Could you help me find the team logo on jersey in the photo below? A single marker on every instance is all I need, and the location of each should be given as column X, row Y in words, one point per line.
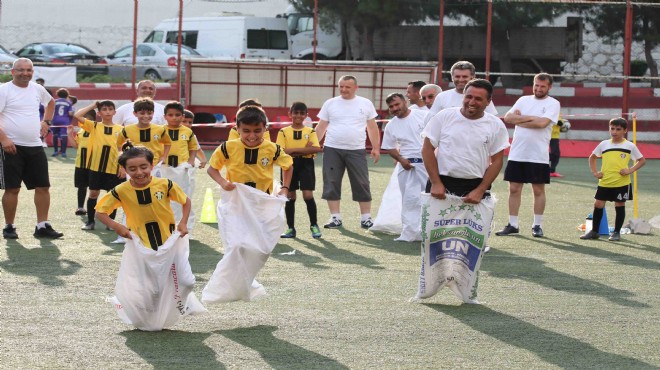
column 265, row 161
column 156, row 137
column 306, row 136
column 159, row 195
column 184, row 137
column 623, row 155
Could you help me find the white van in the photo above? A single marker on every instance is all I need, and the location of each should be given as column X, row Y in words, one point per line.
column 237, row 37
column 301, row 31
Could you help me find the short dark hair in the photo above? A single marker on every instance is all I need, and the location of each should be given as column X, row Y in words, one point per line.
column 417, row 84
column 188, row 114
column 463, row 64
column 143, row 104
column 543, row 77
column 73, row 99
column 391, row 97
column 251, row 115
column 62, row 93
column 298, row 106
column 348, row 78
column 619, row 121
column 90, row 115
column 482, row 84
column 40, row 79
column 247, row 102
column 130, row 151
column 174, row 105
column 105, row 103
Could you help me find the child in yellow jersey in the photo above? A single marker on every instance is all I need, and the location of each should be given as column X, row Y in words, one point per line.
column 300, row 142
column 79, row 141
column 150, row 135
column 614, row 176
column 250, row 159
column 104, row 172
column 145, row 200
column 188, row 118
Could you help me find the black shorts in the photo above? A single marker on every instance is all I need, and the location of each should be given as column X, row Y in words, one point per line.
column 103, row 181
column 527, row 172
column 620, row 194
column 459, row 187
column 304, row 177
column 81, row 177
column 29, row 165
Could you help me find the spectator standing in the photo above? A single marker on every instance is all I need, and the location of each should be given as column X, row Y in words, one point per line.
column 429, row 93
column 414, row 96
column 145, row 89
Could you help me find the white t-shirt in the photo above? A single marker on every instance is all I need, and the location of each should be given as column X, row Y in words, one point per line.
column 347, row 121
column 19, row 112
column 464, row 145
column 406, row 134
column 451, row 99
column 124, row 115
column 415, row 107
column 531, row 144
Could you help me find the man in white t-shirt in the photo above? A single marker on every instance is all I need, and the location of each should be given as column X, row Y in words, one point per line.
column 23, row 159
column 345, row 119
column 429, row 93
column 402, row 140
column 461, row 73
column 529, row 162
column 470, row 146
column 145, row 89
column 414, row 96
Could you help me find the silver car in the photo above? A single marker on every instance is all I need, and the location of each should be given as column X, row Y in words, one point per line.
column 154, row 61
column 6, row 60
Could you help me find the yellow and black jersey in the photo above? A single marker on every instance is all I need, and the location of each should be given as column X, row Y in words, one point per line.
column 152, row 137
column 82, row 157
column 615, row 157
column 290, row 138
column 233, row 134
column 183, row 141
column 148, row 210
column 102, row 146
column 250, row 166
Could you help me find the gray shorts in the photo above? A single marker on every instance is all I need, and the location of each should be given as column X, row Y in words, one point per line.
column 335, row 163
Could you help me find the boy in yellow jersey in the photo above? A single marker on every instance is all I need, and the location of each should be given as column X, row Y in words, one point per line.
column 614, row 176
column 188, row 118
column 79, row 141
column 150, row 135
column 233, row 133
column 145, row 200
column 301, row 143
column 104, row 172
column 184, row 143
column 249, row 160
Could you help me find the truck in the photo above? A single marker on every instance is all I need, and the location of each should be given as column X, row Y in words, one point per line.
column 228, row 37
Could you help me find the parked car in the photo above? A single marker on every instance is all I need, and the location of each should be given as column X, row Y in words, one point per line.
column 53, row 53
column 154, row 61
column 6, row 60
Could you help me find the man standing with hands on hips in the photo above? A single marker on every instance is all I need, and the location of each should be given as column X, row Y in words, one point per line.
column 344, row 118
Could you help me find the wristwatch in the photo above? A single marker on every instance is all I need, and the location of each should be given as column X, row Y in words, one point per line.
column 47, row 121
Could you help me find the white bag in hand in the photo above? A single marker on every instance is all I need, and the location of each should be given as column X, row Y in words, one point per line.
column 250, row 223
column 154, row 289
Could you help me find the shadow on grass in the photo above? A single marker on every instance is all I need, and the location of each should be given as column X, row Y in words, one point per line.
column 506, row 265
column 173, row 349
column 596, row 251
column 43, row 263
column 203, row 258
column 558, row 349
column 277, row 353
column 386, row 242
column 329, row 251
column 298, row 256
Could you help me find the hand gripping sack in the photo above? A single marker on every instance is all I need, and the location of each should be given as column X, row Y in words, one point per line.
column 454, row 235
column 250, row 223
column 154, row 289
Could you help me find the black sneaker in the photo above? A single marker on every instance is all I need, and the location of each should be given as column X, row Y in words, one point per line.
column 367, row 223
column 9, row 232
column 47, row 232
column 333, row 223
column 590, row 235
column 508, row 229
column 537, row 232
column 81, row 212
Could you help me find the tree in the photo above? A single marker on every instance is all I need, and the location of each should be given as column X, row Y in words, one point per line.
column 609, row 23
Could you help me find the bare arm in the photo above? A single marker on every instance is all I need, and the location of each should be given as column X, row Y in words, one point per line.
column 182, row 227
column 592, row 165
column 202, row 158
column 321, row 129
column 48, row 115
column 394, row 153
column 7, row 145
column 496, row 162
column 515, row 118
column 166, row 152
column 639, row 164
column 309, row 149
column 286, row 181
column 191, row 158
column 120, row 229
column 217, row 177
column 374, row 137
column 430, row 163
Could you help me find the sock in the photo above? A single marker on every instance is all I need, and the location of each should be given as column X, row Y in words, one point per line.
column 513, row 221
column 620, row 217
column 311, row 211
column 290, row 212
column 82, row 194
column 597, row 218
column 336, row 215
column 91, row 212
column 64, row 142
column 538, row 219
column 365, row 216
column 9, row 225
column 42, row 224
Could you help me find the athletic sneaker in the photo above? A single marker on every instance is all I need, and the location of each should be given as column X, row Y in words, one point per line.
column 47, row 232
column 508, row 229
column 81, row 212
column 537, row 232
column 614, row 237
column 119, row 240
column 590, row 235
column 367, row 223
column 63, row 155
column 316, row 232
column 333, row 223
column 556, row 174
column 9, row 232
column 289, row 233
column 88, row 226
column 54, row 154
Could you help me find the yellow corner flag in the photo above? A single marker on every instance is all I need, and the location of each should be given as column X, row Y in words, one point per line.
column 208, row 209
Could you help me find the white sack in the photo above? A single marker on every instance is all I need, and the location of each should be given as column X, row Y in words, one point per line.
column 154, row 289
column 388, row 219
column 454, row 236
column 183, row 176
column 412, row 183
column 250, row 223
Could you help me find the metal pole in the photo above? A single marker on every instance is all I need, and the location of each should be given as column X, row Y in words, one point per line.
column 441, row 38
column 489, row 33
column 178, row 51
column 627, row 42
column 316, row 24
column 133, row 71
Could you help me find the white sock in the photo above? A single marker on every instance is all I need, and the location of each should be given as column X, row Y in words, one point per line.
column 9, row 225
column 336, row 216
column 41, row 225
column 365, row 216
column 538, row 219
column 513, row 221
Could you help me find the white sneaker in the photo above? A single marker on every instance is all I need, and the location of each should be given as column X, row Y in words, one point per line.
column 119, row 240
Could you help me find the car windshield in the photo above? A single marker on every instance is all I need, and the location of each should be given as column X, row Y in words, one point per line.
column 170, row 49
column 50, row 49
column 3, row 50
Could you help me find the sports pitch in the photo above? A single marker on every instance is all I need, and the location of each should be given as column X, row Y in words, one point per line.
column 342, row 301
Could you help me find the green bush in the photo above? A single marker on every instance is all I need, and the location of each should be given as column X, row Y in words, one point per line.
column 638, row 68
